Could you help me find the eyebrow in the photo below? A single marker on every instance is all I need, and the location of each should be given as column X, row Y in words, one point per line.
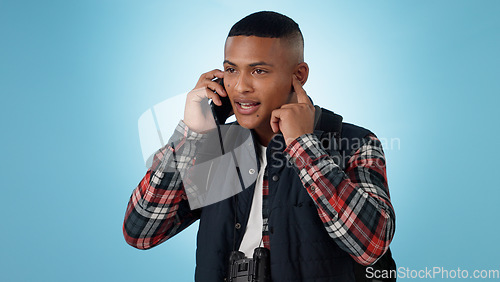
column 261, row 63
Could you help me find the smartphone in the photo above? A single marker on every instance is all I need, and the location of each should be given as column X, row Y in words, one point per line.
column 221, row 113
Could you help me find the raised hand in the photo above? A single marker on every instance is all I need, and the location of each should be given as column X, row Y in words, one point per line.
column 294, row 119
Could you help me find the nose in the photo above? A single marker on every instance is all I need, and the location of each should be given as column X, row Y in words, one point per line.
column 243, row 83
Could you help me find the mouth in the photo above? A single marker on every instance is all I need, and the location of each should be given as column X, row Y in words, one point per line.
column 246, row 107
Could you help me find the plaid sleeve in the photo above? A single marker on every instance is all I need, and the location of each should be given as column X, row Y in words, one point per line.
column 354, row 204
column 158, row 208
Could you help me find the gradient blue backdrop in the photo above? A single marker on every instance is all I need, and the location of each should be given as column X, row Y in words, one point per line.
column 76, row 75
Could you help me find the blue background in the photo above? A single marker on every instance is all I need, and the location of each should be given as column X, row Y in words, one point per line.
column 76, row 75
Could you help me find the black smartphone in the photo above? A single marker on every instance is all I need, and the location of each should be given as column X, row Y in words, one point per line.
column 221, row 113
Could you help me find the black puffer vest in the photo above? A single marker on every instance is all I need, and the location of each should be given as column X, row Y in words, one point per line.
column 301, row 249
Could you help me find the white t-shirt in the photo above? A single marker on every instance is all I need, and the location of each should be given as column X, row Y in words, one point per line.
column 253, row 233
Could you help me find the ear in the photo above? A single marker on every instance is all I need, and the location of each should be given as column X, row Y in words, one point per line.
column 302, row 72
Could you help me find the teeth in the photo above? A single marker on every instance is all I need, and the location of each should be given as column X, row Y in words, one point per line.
column 247, row 105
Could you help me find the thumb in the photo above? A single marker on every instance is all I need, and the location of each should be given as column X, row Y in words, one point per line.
column 275, row 121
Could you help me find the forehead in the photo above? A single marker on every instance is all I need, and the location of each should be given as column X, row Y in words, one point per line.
column 249, row 49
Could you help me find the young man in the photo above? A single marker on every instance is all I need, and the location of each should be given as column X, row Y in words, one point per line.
column 320, row 211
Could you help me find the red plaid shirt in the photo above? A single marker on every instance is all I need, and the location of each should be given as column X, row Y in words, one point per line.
column 350, row 203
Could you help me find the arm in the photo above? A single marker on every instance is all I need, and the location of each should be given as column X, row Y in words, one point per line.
column 158, row 208
column 354, row 204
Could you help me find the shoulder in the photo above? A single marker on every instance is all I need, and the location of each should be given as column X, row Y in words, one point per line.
column 350, row 130
column 352, row 137
column 330, row 121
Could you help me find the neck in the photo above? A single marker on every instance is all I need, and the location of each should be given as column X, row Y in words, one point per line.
column 264, row 135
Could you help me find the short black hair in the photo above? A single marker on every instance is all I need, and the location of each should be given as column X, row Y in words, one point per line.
column 266, row 24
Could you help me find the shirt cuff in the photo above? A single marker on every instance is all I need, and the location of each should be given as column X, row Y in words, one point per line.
column 182, row 131
column 306, row 150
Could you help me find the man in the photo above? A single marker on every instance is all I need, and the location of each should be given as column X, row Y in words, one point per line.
column 320, row 213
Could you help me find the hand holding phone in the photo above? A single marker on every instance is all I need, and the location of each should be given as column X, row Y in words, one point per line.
column 197, row 113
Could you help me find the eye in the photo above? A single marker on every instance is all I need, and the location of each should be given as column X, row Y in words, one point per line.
column 260, row 71
column 230, row 70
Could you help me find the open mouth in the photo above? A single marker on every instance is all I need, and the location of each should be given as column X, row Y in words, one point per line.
column 247, row 107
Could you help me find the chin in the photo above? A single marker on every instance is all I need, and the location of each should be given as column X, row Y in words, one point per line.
column 246, row 122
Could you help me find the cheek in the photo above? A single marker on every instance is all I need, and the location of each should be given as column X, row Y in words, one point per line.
column 227, row 84
column 229, row 87
column 279, row 93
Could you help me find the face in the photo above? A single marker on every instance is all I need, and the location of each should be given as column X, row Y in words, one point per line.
column 258, row 78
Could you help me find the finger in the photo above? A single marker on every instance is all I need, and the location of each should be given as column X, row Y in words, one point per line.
column 207, row 77
column 290, row 106
column 215, row 86
column 301, row 93
column 215, row 98
column 275, row 121
column 209, row 93
column 205, row 93
column 216, row 73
